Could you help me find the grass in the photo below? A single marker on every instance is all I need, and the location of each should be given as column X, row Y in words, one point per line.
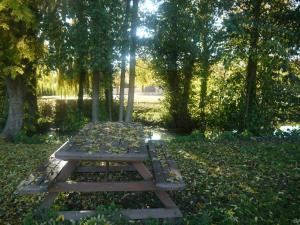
column 228, row 182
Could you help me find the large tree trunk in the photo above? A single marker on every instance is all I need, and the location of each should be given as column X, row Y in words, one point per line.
column 95, row 96
column 81, row 80
column 15, row 89
column 134, row 23
column 250, row 96
column 123, row 64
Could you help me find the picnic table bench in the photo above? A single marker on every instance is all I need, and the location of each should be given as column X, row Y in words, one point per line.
column 162, row 175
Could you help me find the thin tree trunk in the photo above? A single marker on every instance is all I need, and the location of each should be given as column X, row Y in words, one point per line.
column 123, row 64
column 134, row 23
column 15, row 89
column 110, row 102
column 173, row 88
column 81, row 80
column 250, row 96
column 95, row 96
column 185, row 116
column 204, row 74
column 31, row 109
column 203, row 94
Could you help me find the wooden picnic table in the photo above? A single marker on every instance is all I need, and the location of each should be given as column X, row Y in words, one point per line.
column 68, row 158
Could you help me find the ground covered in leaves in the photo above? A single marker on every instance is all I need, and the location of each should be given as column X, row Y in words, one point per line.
column 234, row 182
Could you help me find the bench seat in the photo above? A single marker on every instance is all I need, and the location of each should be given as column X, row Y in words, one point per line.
column 166, row 172
column 40, row 180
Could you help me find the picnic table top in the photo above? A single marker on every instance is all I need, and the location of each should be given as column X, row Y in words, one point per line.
column 107, row 141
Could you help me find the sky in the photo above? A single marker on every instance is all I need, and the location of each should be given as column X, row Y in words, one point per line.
column 146, row 6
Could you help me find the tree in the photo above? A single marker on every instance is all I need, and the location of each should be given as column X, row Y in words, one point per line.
column 124, row 52
column 174, row 56
column 79, row 42
column 20, row 48
column 210, row 39
column 134, row 24
column 258, row 37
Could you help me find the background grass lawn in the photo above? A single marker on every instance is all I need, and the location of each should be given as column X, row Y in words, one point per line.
column 236, row 182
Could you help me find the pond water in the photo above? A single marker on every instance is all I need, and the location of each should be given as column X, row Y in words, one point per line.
column 159, row 134
column 163, row 134
column 289, row 128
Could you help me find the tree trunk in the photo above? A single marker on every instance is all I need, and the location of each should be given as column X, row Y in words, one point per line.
column 173, row 88
column 95, row 96
column 15, row 89
column 134, row 23
column 80, row 103
column 250, row 96
column 108, row 102
column 185, row 123
column 31, row 109
column 203, row 94
column 123, row 64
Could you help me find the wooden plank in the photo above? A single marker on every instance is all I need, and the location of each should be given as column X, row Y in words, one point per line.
column 29, row 185
column 139, row 214
column 101, row 156
column 174, row 168
column 143, row 170
column 170, row 186
column 48, row 177
column 152, row 151
column 102, row 186
column 102, row 169
column 130, row 213
column 77, row 215
column 158, row 172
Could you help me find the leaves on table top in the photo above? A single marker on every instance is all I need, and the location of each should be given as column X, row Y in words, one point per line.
column 110, row 137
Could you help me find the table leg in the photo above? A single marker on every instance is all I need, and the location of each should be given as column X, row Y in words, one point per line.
column 147, row 175
column 143, row 170
column 165, row 199
column 107, row 170
column 63, row 176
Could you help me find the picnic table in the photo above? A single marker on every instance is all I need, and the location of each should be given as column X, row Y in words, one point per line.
column 118, row 147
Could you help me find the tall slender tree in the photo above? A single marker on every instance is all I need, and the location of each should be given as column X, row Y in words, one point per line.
column 124, row 53
column 258, row 37
column 174, row 55
column 132, row 63
column 207, row 13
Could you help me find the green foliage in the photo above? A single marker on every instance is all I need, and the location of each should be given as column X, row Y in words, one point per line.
column 17, row 162
column 18, row 42
column 49, row 138
column 149, row 114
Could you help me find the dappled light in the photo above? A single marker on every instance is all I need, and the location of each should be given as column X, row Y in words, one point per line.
column 149, row 112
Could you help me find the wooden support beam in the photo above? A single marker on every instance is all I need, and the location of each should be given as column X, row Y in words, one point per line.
column 130, row 213
column 71, row 154
column 143, row 170
column 102, row 169
column 165, row 199
column 103, row 186
column 63, row 175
